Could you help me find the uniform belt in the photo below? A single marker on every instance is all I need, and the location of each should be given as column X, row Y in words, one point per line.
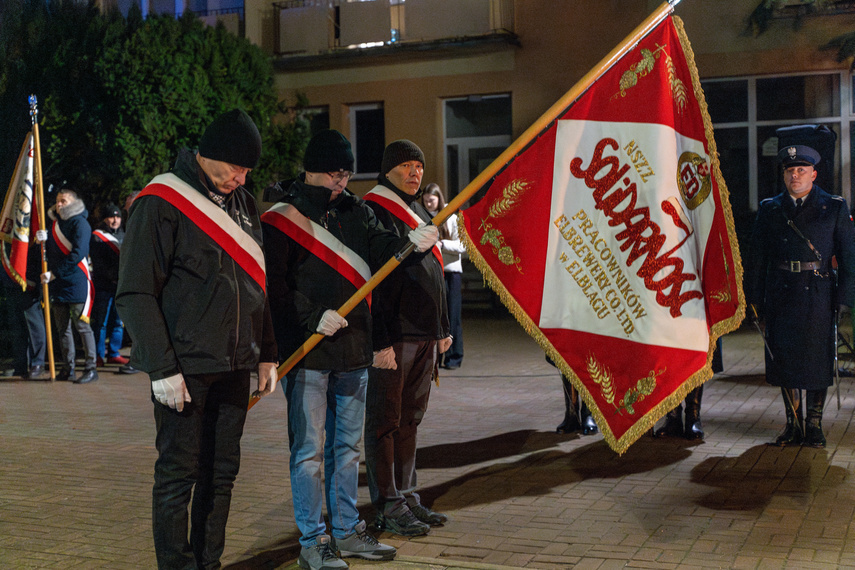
column 798, row 266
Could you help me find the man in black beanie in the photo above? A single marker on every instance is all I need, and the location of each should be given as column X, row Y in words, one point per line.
column 322, row 244
column 411, row 329
column 192, row 293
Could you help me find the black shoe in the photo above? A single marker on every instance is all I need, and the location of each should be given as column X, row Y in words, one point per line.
column 694, row 430
column 589, row 426
column 36, row 373
column 90, row 375
column 65, row 376
column 673, row 426
column 569, row 425
column 428, row 516
column 405, row 524
column 126, row 369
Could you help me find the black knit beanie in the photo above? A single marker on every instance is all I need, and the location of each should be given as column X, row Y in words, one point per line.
column 398, row 152
column 232, row 137
column 328, row 151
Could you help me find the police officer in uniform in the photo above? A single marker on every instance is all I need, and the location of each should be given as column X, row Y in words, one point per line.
column 800, row 236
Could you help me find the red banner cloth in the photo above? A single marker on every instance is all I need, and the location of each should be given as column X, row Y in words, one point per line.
column 610, row 237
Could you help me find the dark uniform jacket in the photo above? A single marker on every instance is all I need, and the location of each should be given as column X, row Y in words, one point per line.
column 798, row 307
column 187, row 305
column 302, row 286
column 410, row 303
column 70, row 284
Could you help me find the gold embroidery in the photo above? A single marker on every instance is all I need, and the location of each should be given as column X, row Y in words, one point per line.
column 601, row 375
column 723, row 296
column 511, row 195
column 630, row 77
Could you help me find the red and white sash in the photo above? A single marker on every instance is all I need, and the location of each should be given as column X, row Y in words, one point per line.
column 109, row 239
column 65, row 246
column 320, row 242
column 213, row 221
column 398, row 208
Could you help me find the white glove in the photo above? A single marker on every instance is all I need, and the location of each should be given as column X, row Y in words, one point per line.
column 331, row 321
column 444, row 344
column 424, row 236
column 41, row 235
column 171, row 391
column 385, row 359
column 268, row 376
column 46, row 277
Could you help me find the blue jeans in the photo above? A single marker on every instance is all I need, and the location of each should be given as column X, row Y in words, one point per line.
column 105, row 321
column 325, row 414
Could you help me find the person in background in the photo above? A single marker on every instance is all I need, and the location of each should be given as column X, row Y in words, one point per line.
column 70, row 282
column 452, row 251
column 411, row 330
column 192, row 292
column 104, row 249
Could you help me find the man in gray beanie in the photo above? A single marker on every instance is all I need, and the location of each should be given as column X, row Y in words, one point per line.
column 411, row 329
column 322, row 244
column 192, row 293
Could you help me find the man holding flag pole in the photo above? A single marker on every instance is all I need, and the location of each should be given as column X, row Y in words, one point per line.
column 19, row 217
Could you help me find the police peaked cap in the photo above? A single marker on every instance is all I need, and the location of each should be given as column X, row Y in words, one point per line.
column 798, row 155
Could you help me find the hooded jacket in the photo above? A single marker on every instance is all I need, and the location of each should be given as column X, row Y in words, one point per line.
column 189, row 307
column 70, row 284
column 302, row 286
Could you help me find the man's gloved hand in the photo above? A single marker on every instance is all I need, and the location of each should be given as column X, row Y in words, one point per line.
column 331, row 321
column 385, row 359
column 425, row 237
column 268, row 376
column 444, row 344
column 171, row 392
column 46, row 277
column 41, row 235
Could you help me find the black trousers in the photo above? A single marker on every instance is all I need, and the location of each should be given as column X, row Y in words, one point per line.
column 199, row 454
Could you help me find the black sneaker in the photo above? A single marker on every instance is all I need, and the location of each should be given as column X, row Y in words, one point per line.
column 428, row 516
column 405, row 524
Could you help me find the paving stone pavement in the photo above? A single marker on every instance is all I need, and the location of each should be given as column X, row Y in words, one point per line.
column 76, row 467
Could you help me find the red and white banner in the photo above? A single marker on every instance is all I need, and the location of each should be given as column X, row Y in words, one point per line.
column 18, row 216
column 611, row 239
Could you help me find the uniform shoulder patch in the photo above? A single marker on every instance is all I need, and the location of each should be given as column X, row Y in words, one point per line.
column 838, row 198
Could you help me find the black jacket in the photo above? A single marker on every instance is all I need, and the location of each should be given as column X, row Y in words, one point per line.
column 302, row 286
column 105, row 260
column 410, row 303
column 188, row 306
column 799, row 306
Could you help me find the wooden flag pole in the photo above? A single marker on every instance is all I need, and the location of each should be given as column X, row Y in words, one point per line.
column 518, row 145
column 40, row 198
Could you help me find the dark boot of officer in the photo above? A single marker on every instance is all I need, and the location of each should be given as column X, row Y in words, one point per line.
column 814, row 404
column 571, row 423
column 673, row 426
column 694, row 427
column 589, row 426
column 793, row 432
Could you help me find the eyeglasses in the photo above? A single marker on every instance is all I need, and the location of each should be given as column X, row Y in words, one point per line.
column 340, row 175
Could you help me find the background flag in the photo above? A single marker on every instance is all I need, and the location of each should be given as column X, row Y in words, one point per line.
column 610, row 237
column 19, row 216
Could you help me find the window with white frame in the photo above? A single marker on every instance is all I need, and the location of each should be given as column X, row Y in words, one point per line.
column 368, row 138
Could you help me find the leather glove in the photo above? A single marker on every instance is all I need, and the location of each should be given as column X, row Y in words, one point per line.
column 171, row 391
column 46, row 277
column 444, row 343
column 268, row 376
column 385, row 359
column 425, row 237
column 331, row 321
column 41, row 235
